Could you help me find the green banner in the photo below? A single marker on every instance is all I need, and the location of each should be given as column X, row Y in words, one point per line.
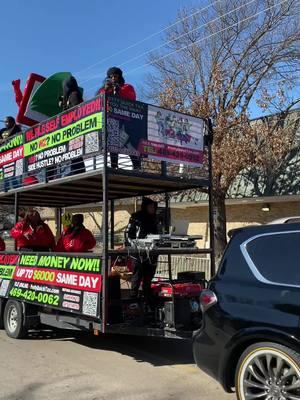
column 79, row 128
column 15, row 141
column 7, row 271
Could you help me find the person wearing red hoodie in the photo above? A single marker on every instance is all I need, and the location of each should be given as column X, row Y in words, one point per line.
column 115, row 84
column 76, row 238
column 33, row 234
column 2, row 244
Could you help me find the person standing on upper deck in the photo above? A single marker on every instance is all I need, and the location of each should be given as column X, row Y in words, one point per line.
column 11, row 129
column 114, row 84
column 72, row 97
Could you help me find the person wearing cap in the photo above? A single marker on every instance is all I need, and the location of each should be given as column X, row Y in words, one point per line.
column 76, row 238
column 114, row 84
column 141, row 224
column 11, row 129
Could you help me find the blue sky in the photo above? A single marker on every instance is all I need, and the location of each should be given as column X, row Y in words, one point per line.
column 69, row 35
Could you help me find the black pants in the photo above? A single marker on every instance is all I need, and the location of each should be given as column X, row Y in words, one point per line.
column 143, row 271
column 136, row 161
column 77, row 166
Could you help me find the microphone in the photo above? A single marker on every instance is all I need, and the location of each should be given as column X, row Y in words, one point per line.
column 115, row 88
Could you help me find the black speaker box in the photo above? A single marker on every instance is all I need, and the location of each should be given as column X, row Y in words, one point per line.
column 191, row 276
column 177, row 313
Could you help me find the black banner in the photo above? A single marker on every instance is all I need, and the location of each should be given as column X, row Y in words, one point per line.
column 126, row 125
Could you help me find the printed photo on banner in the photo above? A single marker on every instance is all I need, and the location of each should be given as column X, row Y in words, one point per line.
column 174, row 137
column 126, row 125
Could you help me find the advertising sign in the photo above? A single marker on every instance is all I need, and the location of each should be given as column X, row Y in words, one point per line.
column 69, row 283
column 174, row 137
column 11, row 157
column 138, row 129
column 126, row 125
column 72, row 134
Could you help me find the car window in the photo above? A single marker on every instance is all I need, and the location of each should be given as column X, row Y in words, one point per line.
column 277, row 257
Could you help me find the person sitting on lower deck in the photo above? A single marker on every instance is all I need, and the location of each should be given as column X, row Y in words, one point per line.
column 76, row 238
column 32, row 234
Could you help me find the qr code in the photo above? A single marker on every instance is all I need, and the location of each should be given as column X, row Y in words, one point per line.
column 92, row 142
column 19, row 167
column 89, row 306
column 4, row 287
column 113, row 129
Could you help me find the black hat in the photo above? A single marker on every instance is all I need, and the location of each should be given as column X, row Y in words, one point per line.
column 146, row 201
column 114, row 70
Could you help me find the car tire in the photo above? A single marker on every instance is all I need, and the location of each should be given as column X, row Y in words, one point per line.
column 1, row 314
column 268, row 370
column 14, row 320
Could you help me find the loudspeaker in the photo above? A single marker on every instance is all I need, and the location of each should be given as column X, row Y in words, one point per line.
column 114, row 300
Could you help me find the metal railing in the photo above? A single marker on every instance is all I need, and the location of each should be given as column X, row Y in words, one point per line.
column 183, row 264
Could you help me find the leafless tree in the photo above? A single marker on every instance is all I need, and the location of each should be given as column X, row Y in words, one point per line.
column 215, row 64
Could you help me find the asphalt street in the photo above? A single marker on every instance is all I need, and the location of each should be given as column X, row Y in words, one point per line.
column 59, row 365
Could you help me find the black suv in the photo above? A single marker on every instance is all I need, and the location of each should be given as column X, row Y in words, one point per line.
column 250, row 337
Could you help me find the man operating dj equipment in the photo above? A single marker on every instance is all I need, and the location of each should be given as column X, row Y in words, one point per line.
column 141, row 224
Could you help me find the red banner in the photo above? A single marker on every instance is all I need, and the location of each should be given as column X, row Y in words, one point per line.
column 67, row 279
column 11, row 155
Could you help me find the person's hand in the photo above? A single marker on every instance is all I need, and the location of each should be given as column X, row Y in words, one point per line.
column 28, row 235
column 108, row 86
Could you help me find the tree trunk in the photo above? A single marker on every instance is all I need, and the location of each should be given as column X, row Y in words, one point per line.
column 219, row 212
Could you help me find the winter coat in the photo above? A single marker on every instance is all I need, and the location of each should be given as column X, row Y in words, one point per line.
column 40, row 238
column 140, row 225
column 71, row 93
column 76, row 241
column 7, row 133
column 126, row 91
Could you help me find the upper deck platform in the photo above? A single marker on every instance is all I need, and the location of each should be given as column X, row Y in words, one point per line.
column 40, row 163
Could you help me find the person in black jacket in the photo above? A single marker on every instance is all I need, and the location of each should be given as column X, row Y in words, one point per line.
column 72, row 96
column 141, row 224
column 11, row 128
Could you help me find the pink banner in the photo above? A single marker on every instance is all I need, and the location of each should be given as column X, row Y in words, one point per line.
column 169, row 152
column 11, row 155
column 67, row 279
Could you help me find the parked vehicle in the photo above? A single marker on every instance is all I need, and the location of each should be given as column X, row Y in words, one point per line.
column 250, row 337
column 285, row 220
